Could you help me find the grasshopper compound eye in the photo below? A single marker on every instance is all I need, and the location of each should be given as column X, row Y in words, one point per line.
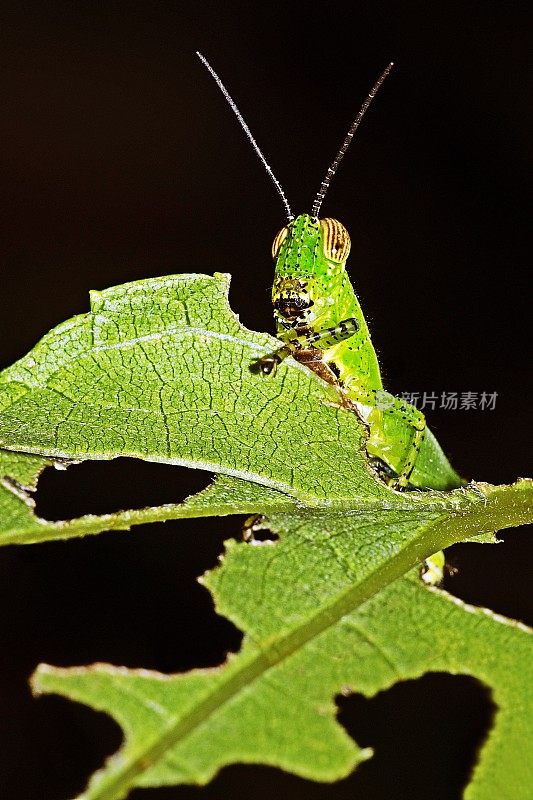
column 335, row 240
column 278, row 241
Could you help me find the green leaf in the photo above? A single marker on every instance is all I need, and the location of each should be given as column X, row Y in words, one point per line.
column 324, row 611
column 161, row 370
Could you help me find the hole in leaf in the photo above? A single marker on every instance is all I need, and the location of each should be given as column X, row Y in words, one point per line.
column 254, row 534
column 425, row 734
column 60, row 743
column 101, row 487
column 494, row 576
column 124, row 598
column 264, row 537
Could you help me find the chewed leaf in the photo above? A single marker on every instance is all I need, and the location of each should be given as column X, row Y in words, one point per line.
column 350, row 624
column 18, row 479
column 161, row 370
column 20, row 525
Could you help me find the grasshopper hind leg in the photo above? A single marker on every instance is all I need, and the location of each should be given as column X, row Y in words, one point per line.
column 397, row 430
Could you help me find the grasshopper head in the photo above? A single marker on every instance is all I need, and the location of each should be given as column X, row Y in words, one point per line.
column 310, row 259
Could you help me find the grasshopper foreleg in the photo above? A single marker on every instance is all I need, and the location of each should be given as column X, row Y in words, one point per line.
column 298, row 339
column 268, row 364
column 329, row 337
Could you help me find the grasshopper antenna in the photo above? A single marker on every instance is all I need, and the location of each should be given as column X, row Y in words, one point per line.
column 324, row 186
column 246, row 129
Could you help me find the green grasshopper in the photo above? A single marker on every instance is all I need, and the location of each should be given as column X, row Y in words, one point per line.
column 321, row 324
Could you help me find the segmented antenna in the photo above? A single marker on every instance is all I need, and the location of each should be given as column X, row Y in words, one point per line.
column 246, row 129
column 324, row 186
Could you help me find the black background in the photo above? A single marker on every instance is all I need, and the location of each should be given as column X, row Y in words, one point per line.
column 121, row 161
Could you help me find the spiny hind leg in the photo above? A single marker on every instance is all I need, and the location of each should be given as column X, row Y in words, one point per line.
column 389, row 417
column 396, row 410
column 321, row 339
column 417, row 424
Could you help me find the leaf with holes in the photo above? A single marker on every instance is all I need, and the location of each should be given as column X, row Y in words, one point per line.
column 161, row 370
column 324, row 611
